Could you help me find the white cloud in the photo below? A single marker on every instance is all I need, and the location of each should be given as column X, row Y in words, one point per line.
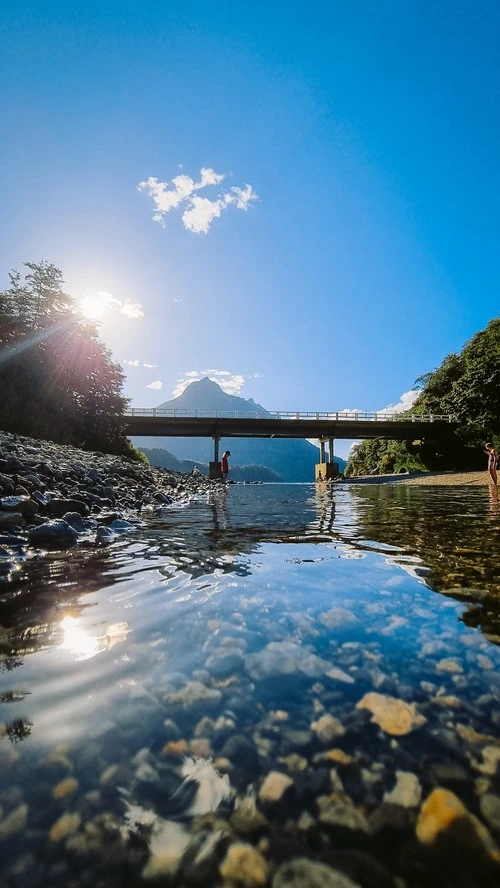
column 95, row 303
column 198, row 212
column 231, row 383
column 241, row 197
column 405, row 402
column 202, row 213
column 156, row 385
column 209, row 177
column 131, row 309
column 136, row 363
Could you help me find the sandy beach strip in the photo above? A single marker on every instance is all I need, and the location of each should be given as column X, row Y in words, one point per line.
column 436, row 479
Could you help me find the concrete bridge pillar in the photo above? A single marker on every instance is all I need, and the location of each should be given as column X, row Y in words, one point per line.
column 326, row 471
column 214, row 469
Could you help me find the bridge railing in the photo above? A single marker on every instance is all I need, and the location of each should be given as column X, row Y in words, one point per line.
column 337, row 416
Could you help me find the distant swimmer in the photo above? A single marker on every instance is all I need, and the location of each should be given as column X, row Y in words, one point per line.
column 224, row 465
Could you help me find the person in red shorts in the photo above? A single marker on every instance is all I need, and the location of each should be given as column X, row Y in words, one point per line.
column 224, row 465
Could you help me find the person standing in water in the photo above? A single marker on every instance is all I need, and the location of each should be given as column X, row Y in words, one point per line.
column 492, row 462
column 224, row 465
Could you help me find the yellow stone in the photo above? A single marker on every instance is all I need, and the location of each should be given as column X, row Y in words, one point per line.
column 438, row 812
column 339, row 756
column 449, row 664
column 65, row 788
column 441, row 809
column 491, row 760
column 280, row 715
column 392, row 715
column 294, row 762
column 244, row 865
column 448, row 702
column 223, row 764
column 274, row 787
column 65, row 826
column 471, row 736
column 174, row 748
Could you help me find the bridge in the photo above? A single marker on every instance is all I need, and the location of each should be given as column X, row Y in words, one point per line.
column 325, row 427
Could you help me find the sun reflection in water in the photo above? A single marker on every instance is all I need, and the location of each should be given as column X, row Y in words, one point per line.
column 83, row 645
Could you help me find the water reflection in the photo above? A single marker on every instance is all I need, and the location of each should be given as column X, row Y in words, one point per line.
column 259, row 628
column 446, row 537
column 453, row 533
column 79, row 642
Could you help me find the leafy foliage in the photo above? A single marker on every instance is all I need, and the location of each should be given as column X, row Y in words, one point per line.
column 379, row 456
column 467, row 386
column 57, row 378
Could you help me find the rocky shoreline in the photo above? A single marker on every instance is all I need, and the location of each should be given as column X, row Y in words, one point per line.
column 54, row 496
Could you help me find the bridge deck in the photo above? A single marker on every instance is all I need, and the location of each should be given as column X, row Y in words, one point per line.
column 140, row 423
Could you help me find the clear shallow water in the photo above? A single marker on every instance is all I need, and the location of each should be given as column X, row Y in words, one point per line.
column 99, row 650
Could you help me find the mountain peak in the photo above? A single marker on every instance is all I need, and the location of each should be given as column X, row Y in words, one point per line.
column 203, row 383
column 205, row 394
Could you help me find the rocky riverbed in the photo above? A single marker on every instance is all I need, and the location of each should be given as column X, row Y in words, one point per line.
column 54, row 496
column 303, row 714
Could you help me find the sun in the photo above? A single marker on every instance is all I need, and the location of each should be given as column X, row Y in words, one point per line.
column 94, row 304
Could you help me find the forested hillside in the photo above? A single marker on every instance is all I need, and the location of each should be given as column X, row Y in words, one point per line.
column 57, row 379
column 467, row 386
column 161, row 458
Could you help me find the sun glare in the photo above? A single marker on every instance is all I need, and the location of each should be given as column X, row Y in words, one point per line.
column 93, row 305
column 83, row 645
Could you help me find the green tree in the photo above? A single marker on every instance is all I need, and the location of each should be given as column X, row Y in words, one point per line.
column 57, row 378
column 465, row 386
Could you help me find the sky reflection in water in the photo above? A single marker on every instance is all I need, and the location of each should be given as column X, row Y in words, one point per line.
column 287, row 547
column 225, row 630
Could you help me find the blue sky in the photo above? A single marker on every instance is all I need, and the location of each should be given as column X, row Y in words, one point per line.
column 357, row 237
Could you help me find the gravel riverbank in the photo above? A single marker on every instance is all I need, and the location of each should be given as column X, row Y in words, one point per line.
column 52, row 495
column 441, row 479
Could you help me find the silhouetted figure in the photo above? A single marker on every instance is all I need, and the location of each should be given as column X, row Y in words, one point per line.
column 492, row 462
column 224, row 465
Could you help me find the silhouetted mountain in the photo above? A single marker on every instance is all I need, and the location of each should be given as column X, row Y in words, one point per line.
column 293, row 459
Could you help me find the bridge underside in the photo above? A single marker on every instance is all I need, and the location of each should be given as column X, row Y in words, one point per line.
column 199, row 427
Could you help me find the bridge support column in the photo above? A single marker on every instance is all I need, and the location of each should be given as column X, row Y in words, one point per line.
column 326, row 471
column 214, row 469
column 334, row 465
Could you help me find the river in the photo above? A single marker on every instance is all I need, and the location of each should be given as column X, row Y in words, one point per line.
column 335, row 654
